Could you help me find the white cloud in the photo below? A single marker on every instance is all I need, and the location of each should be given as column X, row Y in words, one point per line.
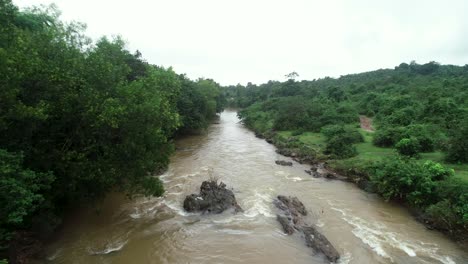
column 259, row 40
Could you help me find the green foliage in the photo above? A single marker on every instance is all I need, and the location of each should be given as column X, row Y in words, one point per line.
column 78, row 118
column 458, row 144
column 451, row 212
column 407, row 180
column 340, row 140
column 21, row 192
column 408, row 147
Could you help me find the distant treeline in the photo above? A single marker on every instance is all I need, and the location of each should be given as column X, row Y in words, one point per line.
column 428, row 102
column 79, row 118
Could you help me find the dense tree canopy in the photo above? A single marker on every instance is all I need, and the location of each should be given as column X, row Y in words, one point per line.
column 78, row 118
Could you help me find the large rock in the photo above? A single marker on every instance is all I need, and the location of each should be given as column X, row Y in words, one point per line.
column 291, row 219
column 213, row 198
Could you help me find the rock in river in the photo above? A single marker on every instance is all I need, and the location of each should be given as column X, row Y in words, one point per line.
column 283, row 163
column 291, row 219
column 213, row 198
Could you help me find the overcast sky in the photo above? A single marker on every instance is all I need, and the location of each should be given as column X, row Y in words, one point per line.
column 259, row 40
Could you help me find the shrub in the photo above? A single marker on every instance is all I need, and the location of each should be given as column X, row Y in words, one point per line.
column 452, row 211
column 408, row 180
column 351, row 134
column 408, row 147
column 458, row 144
column 340, row 141
column 387, row 137
column 340, row 147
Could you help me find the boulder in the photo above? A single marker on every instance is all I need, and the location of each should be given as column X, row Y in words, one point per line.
column 291, row 219
column 213, row 198
column 315, row 240
column 283, row 163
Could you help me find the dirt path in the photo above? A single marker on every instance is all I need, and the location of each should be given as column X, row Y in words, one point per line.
column 366, row 123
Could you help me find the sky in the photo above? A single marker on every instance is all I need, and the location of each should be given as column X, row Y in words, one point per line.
column 255, row 41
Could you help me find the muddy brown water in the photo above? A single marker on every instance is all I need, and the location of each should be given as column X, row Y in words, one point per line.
column 362, row 227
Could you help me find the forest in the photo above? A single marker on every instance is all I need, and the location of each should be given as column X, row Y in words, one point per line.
column 80, row 118
column 416, row 153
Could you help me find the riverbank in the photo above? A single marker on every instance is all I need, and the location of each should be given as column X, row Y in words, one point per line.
column 361, row 226
column 354, row 170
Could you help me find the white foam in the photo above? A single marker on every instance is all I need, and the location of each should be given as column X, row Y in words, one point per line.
column 258, row 205
column 174, row 193
column 235, row 232
column 320, row 223
column 54, row 256
column 112, row 247
column 177, row 209
column 377, row 237
column 345, row 258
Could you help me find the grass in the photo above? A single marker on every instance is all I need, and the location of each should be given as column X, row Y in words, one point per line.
column 368, row 152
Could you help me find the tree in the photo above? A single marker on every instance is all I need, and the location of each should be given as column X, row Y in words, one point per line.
column 458, row 144
column 21, row 192
column 292, row 75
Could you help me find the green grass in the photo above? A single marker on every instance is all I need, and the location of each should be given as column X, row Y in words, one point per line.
column 461, row 170
column 368, row 152
column 308, row 138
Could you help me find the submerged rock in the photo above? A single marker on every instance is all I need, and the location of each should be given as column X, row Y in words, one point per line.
column 213, row 198
column 283, row 163
column 291, row 219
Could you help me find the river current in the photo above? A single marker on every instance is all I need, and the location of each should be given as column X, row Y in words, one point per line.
column 362, row 227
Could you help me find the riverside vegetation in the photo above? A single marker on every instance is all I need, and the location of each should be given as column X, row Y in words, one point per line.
column 79, row 119
column 418, row 154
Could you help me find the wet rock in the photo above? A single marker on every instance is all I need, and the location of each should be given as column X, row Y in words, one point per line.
column 330, row 176
column 286, row 224
column 308, row 172
column 315, row 240
column 284, row 163
column 213, row 198
column 291, row 219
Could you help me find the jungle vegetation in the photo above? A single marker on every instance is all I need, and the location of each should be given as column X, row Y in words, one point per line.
column 418, row 153
column 80, row 118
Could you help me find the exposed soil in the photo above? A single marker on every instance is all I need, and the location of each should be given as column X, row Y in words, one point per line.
column 366, row 123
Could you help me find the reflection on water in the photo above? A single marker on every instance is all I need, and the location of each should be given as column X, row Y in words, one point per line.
column 157, row 230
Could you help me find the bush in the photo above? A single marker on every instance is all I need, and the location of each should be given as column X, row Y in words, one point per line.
column 427, row 135
column 340, row 141
column 408, row 147
column 352, row 135
column 387, row 137
column 340, row 147
column 452, row 211
column 458, row 144
column 409, row 181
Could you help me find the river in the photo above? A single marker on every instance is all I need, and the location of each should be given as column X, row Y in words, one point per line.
column 362, row 227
